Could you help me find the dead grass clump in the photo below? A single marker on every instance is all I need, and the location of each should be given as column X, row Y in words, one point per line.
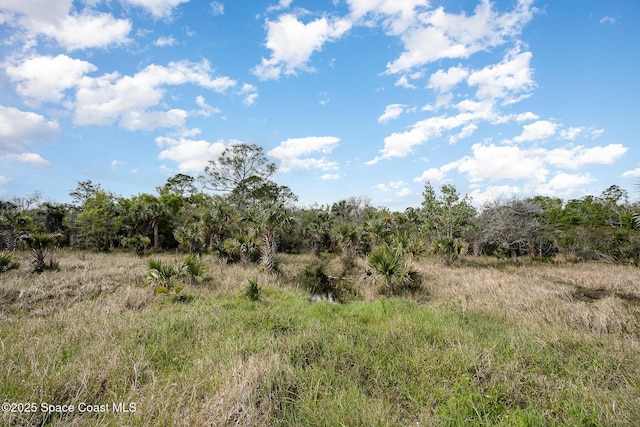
column 251, row 391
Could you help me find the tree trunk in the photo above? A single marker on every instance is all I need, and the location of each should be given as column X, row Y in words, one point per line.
column 155, row 235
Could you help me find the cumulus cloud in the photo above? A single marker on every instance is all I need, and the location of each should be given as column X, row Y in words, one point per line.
column 400, row 144
column 250, row 94
column 157, row 8
column 217, row 8
column 298, row 153
column 495, row 162
column 109, row 98
column 18, row 128
column 536, row 131
column 45, row 78
column 441, row 35
column 191, row 155
column 493, row 193
column 564, row 182
column 444, row 81
column 292, row 43
column 581, row 156
column 633, row 173
column 397, row 16
column 431, row 174
column 71, row 30
column 30, row 158
column 165, row 41
column 391, row 112
column 509, row 81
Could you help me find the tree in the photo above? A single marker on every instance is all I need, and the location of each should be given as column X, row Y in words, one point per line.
column 240, row 170
column 511, row 225
column 444, row 219
column 269, row 221
column 180, row 184
column 96, row 222
column 13, row 220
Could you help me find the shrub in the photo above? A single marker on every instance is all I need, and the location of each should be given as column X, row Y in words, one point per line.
column 40, row 245
column 315, row 279
column 164, row 276
column 391, row 265
column 6, row 262
column 194, row 269
column 252, row 290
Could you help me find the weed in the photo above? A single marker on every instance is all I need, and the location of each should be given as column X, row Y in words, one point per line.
column 252, row 290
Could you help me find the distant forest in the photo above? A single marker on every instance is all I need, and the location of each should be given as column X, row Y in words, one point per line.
column 236, row 211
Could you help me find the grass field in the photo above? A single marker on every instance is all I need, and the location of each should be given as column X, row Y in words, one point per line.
column 484, row 343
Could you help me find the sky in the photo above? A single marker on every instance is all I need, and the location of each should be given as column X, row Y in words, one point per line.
column 349, row 98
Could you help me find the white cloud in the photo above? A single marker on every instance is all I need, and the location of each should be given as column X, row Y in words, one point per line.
column 431, row 174
column 111, row 97
column 403, row 81
column 381, row 187
column 510, row 80
column 18, row 128
column 404, row 192
column 580, row 156
column 574, row 132
column 157, row 8
column 442, row 35
column 564, row 182
column 31, row 158
column 525, row 117
column 491, row 162
column 70, row 29
column 294, row 153
column 292, row 43
column 250, row 93
column 45, row 78
column 633, row 173
column 391, row 112
column 607, row 20
column 536, row 131
column 493, row 193
column 205, row 110
column 283, row 4
column 165, row 41
column 331, row 176
column 115, row 164
column 397, row 16
column 217, row 8
column 444, row 81
column 190, row 154
column 400, row 144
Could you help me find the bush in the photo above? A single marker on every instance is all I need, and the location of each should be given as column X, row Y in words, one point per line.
column 316, row 281
column 391, row 265
column 7, row 263
column 252, row 290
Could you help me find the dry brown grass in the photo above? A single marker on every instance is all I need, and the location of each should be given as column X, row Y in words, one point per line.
column 593, row 298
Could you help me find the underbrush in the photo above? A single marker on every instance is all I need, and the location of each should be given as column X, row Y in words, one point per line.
column 529, row 345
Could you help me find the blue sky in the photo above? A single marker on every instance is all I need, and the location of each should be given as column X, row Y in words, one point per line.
column 348, row 97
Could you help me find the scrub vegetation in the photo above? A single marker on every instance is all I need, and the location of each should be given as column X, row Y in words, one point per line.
column 191, row 309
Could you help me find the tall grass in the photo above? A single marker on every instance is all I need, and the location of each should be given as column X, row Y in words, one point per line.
column 494, row 345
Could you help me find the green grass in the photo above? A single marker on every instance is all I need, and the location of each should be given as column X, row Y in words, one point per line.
column 484, row 346
column 284, row 361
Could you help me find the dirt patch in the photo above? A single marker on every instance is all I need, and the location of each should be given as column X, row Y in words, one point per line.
column 629, row 297
column 590, row 295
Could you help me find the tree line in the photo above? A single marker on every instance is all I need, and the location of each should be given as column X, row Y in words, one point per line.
column 235, row 210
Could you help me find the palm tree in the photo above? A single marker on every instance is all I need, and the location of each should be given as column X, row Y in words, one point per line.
column 347, row 235
column 269, row 220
